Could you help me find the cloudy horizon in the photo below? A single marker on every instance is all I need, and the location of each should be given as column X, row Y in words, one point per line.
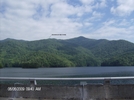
column 39, row 19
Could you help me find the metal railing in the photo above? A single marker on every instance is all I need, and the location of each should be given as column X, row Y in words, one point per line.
column 34, row 80
column 83, row 78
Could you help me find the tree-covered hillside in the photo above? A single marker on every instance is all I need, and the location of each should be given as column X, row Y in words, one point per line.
column 73, row 52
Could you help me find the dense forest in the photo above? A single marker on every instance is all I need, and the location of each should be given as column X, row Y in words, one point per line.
column 73, row 52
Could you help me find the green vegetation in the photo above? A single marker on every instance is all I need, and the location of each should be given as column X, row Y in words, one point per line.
column 1, row 65
column 121, row 60
column 65, row 53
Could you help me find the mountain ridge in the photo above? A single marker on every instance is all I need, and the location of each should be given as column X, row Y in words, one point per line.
column 72, row 52
column 79, row 37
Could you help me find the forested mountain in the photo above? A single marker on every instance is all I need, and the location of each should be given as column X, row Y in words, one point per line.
column 73, row 52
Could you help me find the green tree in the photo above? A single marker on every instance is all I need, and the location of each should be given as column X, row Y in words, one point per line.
column 1, row 66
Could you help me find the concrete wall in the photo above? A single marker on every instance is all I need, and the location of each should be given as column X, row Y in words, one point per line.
column 76, row 92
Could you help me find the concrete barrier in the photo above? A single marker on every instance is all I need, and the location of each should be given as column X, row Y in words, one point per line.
column 74, row 92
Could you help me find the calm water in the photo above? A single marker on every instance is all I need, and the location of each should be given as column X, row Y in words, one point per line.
column 70, row 72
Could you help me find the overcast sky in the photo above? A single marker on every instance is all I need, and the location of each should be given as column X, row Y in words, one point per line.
column 38, row 19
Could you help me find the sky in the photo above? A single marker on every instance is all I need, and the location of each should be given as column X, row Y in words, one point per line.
column 39, row 19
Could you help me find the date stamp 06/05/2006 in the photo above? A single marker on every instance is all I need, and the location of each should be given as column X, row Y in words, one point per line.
column 24, row 89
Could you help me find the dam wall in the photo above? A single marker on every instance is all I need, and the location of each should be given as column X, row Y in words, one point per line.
column 70, row 92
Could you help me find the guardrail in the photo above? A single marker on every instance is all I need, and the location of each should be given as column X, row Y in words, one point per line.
column 34, row 80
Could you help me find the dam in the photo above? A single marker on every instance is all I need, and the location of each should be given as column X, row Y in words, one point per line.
column 82, row 91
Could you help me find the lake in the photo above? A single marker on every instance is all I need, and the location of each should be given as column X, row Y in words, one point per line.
column 69, row 72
